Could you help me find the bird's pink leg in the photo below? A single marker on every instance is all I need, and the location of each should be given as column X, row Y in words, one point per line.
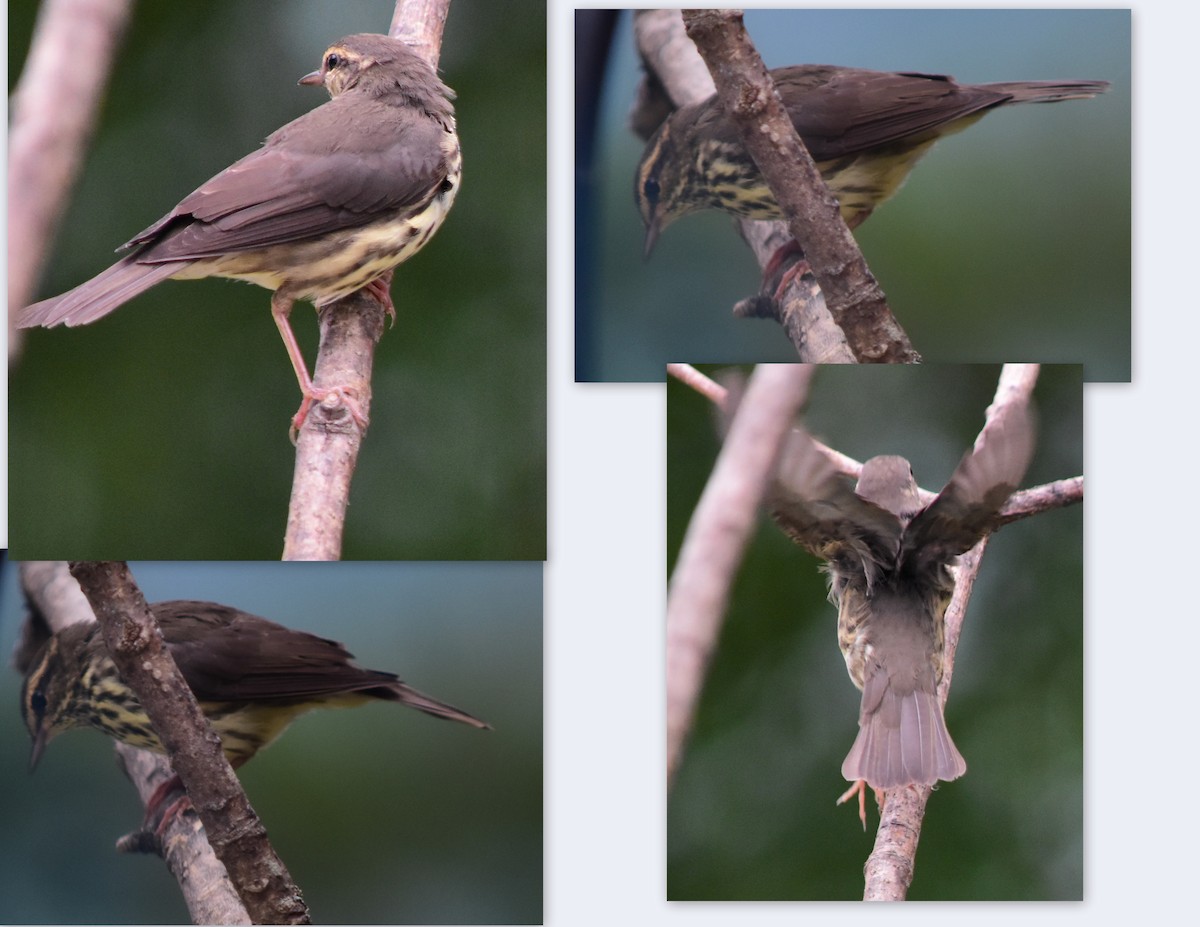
column 800, row 267
column 860, row 788
column 794, row 272
column 281, row 308
column 172, row 811
column 381, row 289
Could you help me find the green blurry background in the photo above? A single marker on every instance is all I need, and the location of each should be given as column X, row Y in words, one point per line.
column 752, row 813
column 1010, row 240
column 383, row 815
column 162, row 431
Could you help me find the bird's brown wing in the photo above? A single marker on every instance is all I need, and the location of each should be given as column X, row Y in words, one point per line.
column 351, row 160
column 815, row 505
column 227, row 655
column 988, row 474
column 817, row 508
column 843, row 111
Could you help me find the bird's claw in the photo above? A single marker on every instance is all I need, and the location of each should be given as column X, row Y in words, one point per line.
column 860, row 788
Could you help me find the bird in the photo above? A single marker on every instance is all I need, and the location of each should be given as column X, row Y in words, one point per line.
column 251, row 677
column 865, row 130
column 888, row 555
column 330, row 203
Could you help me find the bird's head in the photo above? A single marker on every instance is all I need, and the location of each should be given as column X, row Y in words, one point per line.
column 379, row 65
column 888, row 482
column 48, row 693
column 661, row 183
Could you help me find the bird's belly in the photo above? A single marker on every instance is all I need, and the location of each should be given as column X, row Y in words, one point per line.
column 863, row 181
column 859, row 181
column 247, row 727
column 336, row 265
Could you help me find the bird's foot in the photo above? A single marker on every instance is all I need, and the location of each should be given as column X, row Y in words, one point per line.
column 281, row 308
column 157, row 806
column 789, row 265
column 860, row 788
column 381, row 289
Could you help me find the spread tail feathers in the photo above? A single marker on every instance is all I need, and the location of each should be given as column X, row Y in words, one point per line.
column 903, row 742
column 99, row 296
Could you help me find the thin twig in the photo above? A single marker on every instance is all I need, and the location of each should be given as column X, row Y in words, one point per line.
column 420, row 23
column 54, row 111
column 720, row 527
column 1044, row 498
column 705, row 386
column 327, row 450
column 714, row 391
column 233, row 829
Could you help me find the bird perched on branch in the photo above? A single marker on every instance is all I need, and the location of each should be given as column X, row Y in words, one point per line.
column 252, row 678
column 330, row 203
column 864, row 129
column 888, row 555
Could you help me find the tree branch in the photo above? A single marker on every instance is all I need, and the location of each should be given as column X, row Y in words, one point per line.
column 720, row 527
column 420, row 23
column 327, row 450
column 329, row 441
column 54, row 595
column 749, row 97
column 54, row 110
column 235, row 832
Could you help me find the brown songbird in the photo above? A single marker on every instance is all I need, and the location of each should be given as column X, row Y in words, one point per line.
column 865, row 130
column 888, row 556
column 252, row 678
column 330, row 203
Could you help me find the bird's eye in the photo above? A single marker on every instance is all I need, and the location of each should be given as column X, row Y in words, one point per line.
column 333, row 61
column 651, row 190
column 37, row 701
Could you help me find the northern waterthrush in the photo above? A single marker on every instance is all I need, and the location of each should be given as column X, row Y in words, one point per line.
column 888, row 555
column 329, row 203
column 252, row 678
column 864, row 129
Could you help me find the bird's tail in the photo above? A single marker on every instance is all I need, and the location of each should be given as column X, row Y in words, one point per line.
column 407, row 695
column 99, row 296
column 1048, row 91
column 903, row 741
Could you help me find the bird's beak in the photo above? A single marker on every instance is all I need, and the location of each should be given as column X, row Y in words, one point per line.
column 314, row 79
column 39, row 747
column 652, row 231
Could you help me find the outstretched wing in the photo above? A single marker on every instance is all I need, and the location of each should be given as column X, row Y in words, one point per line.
column 965, row 510
column 817, row 508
